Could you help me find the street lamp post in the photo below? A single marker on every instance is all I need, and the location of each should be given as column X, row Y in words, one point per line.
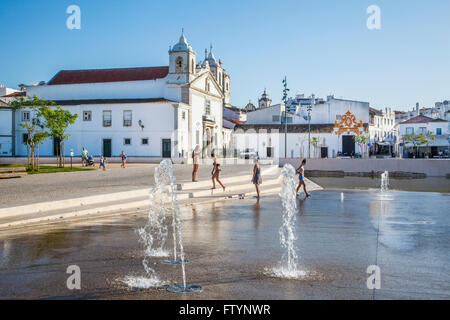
column 309, row 108
column 285, row 94
column 71, row 156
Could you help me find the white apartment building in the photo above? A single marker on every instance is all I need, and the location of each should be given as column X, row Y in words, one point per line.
column 438, row 128
column 441, row 110
column 382, row 132
column 5, row 92
column 6, row 130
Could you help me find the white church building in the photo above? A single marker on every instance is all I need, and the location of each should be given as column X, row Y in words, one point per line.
column 162, row 111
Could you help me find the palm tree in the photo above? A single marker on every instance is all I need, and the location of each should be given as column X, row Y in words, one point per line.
column 314, row 142
column 361, row 141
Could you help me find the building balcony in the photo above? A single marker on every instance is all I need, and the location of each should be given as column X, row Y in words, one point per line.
column 209, row 118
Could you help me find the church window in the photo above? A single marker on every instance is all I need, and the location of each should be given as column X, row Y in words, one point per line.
column 227, row 86
column 183, row 115
column 206, row 85
column 192, row 66
column 179, row 65
column 207, row 107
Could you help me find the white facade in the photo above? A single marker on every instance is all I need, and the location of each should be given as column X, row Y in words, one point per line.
column 326, row 112
column 382, row 131
column 4, row 91
column 6, row 130
column 264, row 129
column 438, row 128
column 118, row 109
column 441, row 110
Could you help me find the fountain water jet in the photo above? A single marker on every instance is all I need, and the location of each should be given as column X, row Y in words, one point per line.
column 176, row 222
column 342, row 197
column 169, row 178
column 154, row 234
column 384, row 181
column 288, row 265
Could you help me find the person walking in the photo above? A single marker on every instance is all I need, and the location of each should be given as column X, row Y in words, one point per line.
column 301, row 171
column 84, row 157
column 102, row 163
column 215, row 173
column 196, row 161
column 123, row 156
column 257, row 179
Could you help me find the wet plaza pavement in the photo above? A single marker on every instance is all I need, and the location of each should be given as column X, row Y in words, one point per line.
column 231, row 244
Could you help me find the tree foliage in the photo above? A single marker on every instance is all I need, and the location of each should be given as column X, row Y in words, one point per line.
column 43, row 114
column 57, row 120
column 418, row 140
column 314, row 141
column 362, row 141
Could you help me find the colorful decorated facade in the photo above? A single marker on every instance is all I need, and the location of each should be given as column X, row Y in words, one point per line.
column 330, row 133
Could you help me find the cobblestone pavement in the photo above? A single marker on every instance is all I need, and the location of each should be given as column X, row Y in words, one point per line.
column 58, row 186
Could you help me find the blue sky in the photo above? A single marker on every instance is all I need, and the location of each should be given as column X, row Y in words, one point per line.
column 323, row 47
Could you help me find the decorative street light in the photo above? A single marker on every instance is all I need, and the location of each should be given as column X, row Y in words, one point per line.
column 71, row 156
column 309, row 108
column 285, row 97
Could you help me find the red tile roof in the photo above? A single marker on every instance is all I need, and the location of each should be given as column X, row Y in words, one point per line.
column 108, row 75
column 418, row 119
column 15, row 94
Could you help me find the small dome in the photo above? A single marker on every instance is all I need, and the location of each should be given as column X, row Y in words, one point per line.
column 250, row 107
column 182, row 45
column 211, row 58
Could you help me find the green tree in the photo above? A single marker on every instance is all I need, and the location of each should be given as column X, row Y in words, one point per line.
column 314, row 141
column 361, row 140
column 35, row 137
column 430, row 139
column 418, row 140
column 57, row 120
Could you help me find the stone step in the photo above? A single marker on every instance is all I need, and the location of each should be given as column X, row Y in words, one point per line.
column 79, row 203
column 265, row 171
column 11, row 175
column 12, row 169
column 233, row 188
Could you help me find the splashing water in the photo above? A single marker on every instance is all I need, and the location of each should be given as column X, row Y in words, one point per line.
column 289, row 260
column 154, row 234
column 384, row 181
column 176, row 222
column 177, row 232
column 342, row 197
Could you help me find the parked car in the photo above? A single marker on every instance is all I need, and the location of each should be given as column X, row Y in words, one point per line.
column 248, row 154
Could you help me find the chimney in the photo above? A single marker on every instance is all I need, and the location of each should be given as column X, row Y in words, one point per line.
column 417, row 109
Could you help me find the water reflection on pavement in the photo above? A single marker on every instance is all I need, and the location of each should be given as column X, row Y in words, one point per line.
column 231, row 243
